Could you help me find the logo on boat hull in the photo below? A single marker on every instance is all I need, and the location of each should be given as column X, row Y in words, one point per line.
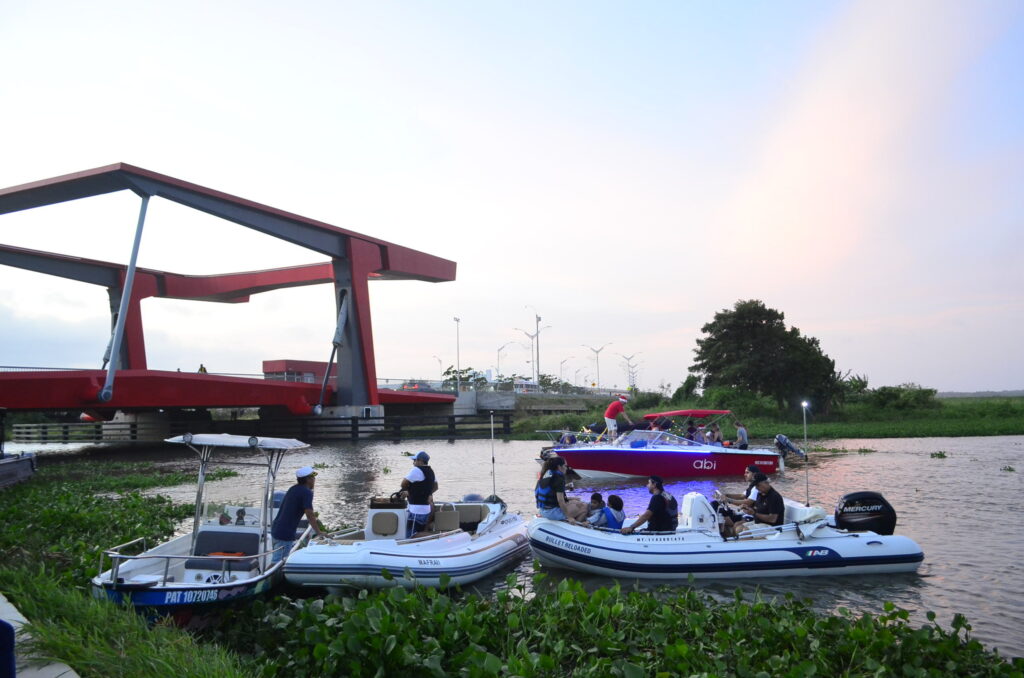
column 704, row 464
column 817, row 552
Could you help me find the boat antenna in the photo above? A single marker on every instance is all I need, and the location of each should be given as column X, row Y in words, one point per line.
column 494, row 485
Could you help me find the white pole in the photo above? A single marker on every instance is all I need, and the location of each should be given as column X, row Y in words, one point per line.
column 807, row 471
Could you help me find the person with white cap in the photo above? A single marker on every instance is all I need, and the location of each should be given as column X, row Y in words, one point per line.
column 419, row 485
column 611, row 415
column 297, row 502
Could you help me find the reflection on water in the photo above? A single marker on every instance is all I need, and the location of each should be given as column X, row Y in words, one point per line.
column 958, row 509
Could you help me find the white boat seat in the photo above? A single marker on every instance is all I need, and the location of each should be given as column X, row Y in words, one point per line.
column 384, row 524
column 446, row 520
column 796, row 513
column 214, row 542
column 471, row 515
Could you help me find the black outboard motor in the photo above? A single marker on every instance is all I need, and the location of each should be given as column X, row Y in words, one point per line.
column 860, row 511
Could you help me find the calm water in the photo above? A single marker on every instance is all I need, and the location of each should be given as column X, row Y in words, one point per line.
column 960, row 509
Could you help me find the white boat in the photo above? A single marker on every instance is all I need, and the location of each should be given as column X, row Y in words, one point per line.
column 467, row 540
column 220, row 560
column 809, row 543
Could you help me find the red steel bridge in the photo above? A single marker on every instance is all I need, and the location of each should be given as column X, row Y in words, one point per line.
column 125, row 383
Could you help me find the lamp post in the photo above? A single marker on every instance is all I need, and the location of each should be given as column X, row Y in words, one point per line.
column 803, row 406
column 576, row 376
column 458, row 366
column 597, row 359
column 440, row 367
column 630, row 373
column 561, row 365
column 497, row 363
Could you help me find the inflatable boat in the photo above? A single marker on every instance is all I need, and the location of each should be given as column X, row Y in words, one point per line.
column 858, row 539
column 466, row 541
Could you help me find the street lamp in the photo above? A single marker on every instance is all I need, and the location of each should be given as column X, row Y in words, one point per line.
column 576, row 376
column 458, row 366
column 630, row 372
column 497, row 363
column 597, row 359
column 534, row 337
column 561, row 364
column 440, row 367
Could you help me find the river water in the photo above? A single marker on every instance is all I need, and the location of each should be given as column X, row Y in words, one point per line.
column 961, row 509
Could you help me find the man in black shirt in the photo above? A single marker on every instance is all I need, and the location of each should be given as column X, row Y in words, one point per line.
column 769, row 508
column 662, row 514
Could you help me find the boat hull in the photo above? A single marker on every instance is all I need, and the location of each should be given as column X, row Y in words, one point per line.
column 169, row 599
column 597, row 461
column 705, row 555
column 454, row 558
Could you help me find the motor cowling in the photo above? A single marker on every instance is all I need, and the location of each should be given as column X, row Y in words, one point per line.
column 860, row 511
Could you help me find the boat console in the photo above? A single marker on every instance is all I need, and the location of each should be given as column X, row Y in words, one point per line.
column 387, row 518
column 697, row 513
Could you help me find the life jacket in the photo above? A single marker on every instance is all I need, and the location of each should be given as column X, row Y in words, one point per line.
column 545, row 496
column 420, row 491
column 610, row 520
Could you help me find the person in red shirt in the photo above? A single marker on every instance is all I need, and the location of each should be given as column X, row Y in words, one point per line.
column 611, row 423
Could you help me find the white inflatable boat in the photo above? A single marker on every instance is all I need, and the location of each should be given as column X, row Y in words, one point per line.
column 809, row 543
column 466, row 541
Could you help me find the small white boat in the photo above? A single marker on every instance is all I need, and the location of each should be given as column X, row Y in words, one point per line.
column 468, row 540
column 809, row 543
column 225, row 558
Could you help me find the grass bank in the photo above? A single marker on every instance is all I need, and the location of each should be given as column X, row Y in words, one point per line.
column 952, row 417
column 57, row 520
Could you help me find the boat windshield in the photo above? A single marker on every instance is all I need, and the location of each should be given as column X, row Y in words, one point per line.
column 653, row 438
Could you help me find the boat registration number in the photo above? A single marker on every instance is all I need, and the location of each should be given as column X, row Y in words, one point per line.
column 429, row 561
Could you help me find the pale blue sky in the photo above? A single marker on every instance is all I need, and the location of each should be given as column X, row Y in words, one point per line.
column 628, row 169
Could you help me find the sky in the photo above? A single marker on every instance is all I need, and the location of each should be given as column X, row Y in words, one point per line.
column 622, row 170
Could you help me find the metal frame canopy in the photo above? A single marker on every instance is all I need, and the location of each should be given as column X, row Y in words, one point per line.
column 354, row 257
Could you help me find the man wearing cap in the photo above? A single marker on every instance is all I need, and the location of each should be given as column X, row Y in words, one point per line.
column 611, row 423
column 419, row 485
column 769, row 508
column 297, row 502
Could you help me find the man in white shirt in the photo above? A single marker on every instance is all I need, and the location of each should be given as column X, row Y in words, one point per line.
column 419, row 485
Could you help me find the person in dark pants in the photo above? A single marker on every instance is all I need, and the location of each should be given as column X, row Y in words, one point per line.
column 769, row 508
column 419, row 485
column 662, row 514
column 298, row 502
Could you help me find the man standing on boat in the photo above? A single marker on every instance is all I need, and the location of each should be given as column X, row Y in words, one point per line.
column 419, row 486
column 297, row 502
column 611, row 423
column 662, row 514
column 741, row 436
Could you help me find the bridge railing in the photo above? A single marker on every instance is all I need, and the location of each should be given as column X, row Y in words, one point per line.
column 308, row 429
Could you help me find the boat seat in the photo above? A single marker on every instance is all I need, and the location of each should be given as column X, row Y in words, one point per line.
column 471, row 515
column 446, row 520
column 211, row 542
column 796, row 513
column 384, row 524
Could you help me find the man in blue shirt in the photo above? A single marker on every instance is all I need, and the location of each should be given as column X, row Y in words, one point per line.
column 298, row 502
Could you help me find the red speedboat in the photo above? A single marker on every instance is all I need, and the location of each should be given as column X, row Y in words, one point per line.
column 659, row 452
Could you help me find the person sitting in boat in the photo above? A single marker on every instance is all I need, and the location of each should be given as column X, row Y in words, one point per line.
column 699, row 436
column 662, row 514
column 714, row 435
column 769, row 508
column 691, row 429
column 567, row 438
column 741, row 436
column 419, row 485
column 297, row 502
column 596, row 504
column 550, row 493
column 611, row 416
column 610, row 516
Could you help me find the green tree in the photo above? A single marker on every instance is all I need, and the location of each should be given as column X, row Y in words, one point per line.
column 750, row 348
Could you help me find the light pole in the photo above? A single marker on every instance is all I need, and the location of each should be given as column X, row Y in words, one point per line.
column 561, row 365
column 497, row 363
column 807, row 472
column 576, row 376
column 630, row 373
column 597, row 359
column 536, row 334
column 534, row 337
column 458, row 366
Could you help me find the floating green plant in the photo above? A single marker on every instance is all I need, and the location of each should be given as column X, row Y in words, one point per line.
column 938, row 455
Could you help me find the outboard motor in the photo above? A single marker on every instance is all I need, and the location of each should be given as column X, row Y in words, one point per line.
column 859, row 511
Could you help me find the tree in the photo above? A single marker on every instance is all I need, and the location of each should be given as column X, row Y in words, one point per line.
column 750, row 348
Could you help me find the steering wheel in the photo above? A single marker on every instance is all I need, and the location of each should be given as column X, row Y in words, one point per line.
column 396, row 496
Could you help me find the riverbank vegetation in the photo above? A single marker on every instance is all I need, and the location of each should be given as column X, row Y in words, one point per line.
column 553, row 627
column 907, row 415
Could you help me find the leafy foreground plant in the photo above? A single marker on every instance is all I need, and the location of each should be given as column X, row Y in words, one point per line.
column 569, row 631
column 98, row 638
